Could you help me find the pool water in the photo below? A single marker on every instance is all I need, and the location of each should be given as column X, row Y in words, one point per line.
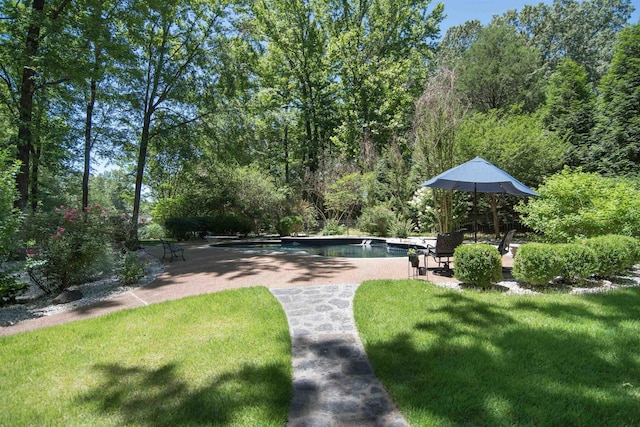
column 339, row 251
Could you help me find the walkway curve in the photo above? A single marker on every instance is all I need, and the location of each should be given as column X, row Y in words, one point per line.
column 333, row 382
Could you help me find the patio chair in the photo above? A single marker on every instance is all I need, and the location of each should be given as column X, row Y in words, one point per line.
column 503, row 247
column 446, row 243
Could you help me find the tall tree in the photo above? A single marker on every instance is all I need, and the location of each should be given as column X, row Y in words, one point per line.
column 499, row 70
column 97, row 27
column 456, row 41
column 438, row 113
column 581, row 30
column 174, row 43
column 296, row 64
column 380, row 50
column 42, row 20
column 568, row 108
column 616, row 135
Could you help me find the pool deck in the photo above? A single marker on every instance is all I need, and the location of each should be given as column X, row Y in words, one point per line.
column 209, row 269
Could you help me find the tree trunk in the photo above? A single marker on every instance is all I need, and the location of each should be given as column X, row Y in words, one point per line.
column 35, row 169
column 27, row 89
column 493, row 199
column 286, row 153
column 142, row 159
column 88, row 144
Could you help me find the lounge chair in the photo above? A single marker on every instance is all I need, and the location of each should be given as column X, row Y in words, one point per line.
column 446, row 243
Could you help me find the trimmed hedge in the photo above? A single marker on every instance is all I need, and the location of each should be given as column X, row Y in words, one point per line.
column 614, row 253
column 536, row 263
column 181, row 228
column 539, row 263
column 477, row 264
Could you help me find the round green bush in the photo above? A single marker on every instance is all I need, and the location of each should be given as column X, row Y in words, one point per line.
column 539, row 263
column 578, row 261
column 614, row 253
column 289, row 225
column 477, row 264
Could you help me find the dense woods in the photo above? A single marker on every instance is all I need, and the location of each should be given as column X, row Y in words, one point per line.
column 270, row 109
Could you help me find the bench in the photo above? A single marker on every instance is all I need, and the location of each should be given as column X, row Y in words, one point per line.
column 171, row 249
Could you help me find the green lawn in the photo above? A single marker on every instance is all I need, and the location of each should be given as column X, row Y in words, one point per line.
column 486, row 358
column 222, row 359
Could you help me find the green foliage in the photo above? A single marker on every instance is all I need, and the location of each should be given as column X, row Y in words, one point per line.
column 131, row 269
column 332, row 227
column 182, row 228
column 539, row 263
column 401, row 228
column 439, row 112
column 245, row 192
column 574, row 204
column 478, row 264
column 514, row 141
column 74, row 246
column 10, row 218
column 376, row 220
column 568, row 110
column 614, row 253
column 289, row 225
column 500, row 69
column 150, row 231
column 536, row 263
column 308, row 214
column 616, row 135
column 347, row 194
column 121, row 227
column 581, row 30
column 578, row 261
column 10, row 286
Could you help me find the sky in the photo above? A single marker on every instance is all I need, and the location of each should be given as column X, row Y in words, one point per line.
column 460, row 11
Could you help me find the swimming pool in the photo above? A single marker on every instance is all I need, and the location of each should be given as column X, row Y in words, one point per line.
column 327, row 250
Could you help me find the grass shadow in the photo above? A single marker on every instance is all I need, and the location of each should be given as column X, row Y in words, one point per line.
column 139, row 395
column 464, row 360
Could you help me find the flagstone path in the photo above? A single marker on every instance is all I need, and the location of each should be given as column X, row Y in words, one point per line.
column 333, row 382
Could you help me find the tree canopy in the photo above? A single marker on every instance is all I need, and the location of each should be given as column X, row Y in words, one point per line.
column 256, row 108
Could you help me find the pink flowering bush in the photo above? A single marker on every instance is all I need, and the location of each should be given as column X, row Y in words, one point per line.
column 73, row 246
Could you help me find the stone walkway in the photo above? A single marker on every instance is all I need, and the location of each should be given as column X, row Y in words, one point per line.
column 333, row 382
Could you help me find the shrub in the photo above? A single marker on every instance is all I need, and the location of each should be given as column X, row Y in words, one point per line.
column 122, row 232
column 151, row 231
column 376, row 220
column 10, row 218
column 578, row 204
column 614, row 253
column 74, row 246
column 401, row 229
column 289, row 225
column 539, row 263
column 578, row 261
column 536, row 263
column 10, row 287
column 333, row 228
column 478, row 264
column 182, row 228
column 132, row 269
